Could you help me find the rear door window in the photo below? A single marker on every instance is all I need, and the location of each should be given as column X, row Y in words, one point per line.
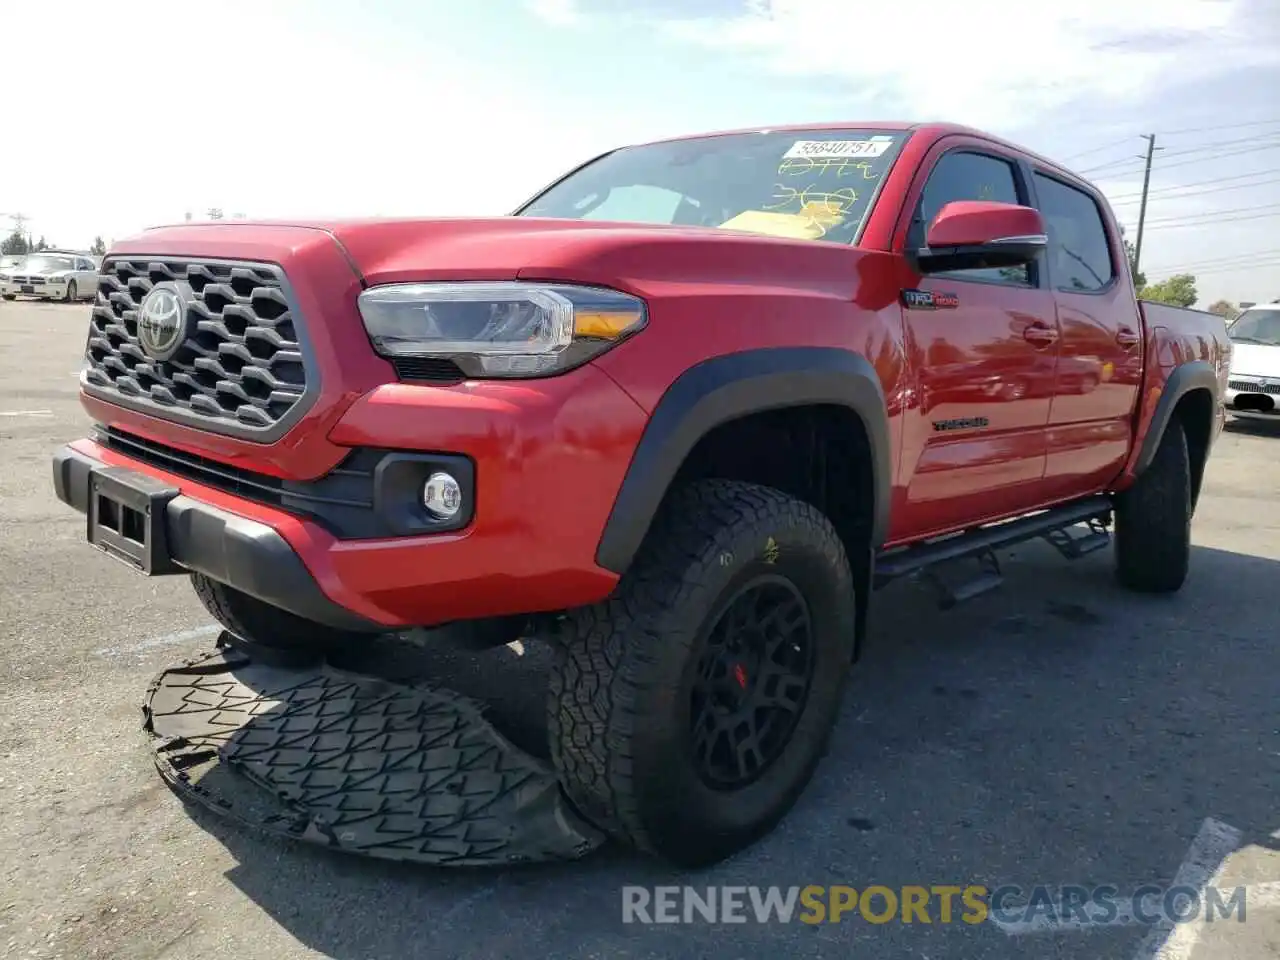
column 1079, row 251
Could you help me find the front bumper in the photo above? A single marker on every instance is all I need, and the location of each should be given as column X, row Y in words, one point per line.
column 549, row 457
column 1253, row 397
column 242, row 553
column 42, row 291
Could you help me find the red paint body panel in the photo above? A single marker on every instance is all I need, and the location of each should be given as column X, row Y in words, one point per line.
column 1059, row 404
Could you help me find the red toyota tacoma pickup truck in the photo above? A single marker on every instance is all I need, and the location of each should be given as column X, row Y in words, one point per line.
column 681, row 414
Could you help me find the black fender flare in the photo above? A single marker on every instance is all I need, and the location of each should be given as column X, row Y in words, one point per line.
column 728, row 387
column 1193, row 375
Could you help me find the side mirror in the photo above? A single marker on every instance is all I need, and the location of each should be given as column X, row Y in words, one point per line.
column 975, row 234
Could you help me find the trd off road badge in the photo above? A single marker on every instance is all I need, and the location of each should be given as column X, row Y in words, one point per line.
column 928, row 300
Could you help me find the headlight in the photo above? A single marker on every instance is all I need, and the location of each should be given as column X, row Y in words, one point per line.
column 499, row 329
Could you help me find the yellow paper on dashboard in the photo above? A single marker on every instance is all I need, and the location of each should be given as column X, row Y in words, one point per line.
column 790, row 225
column 811, row 223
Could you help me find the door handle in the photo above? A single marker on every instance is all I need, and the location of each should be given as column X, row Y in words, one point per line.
column 1127, row 338
column 1040, row 335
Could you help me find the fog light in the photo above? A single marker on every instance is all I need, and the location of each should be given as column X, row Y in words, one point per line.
column 442, row 496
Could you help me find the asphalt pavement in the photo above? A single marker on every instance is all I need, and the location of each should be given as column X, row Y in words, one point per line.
column 1057, row 732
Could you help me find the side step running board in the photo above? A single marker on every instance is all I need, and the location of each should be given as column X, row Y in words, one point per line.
column 981, row 543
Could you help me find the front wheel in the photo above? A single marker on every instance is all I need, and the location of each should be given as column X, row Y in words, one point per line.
column 688, row 712
column 70, row 296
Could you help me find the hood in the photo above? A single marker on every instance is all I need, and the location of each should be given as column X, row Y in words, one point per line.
column 638, row 258
column 1255, row 360
column 621, row 255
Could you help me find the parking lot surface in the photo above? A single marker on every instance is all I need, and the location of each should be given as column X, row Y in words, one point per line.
column 1058, row 732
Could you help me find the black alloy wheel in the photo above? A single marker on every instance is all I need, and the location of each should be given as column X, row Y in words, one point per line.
column 753, row 682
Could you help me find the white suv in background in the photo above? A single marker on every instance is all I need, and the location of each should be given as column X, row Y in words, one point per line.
column 1254, row 384
column 52, row 275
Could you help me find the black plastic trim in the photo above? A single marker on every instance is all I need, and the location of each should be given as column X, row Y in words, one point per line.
column 242, row 553
column 352, row 501
column 1195, row 375
column 398, row 480
column 304, row 403
column 728, row 387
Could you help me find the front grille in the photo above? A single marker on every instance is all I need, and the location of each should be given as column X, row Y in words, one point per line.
column 242, row 364
column 1244, row 386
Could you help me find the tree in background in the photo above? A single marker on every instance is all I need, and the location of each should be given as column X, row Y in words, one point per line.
column 1224, row 309
column 215, row 213
column 1139, row 279
column 98, row 248
column 15, row 244
column 41, row 244
column 1179, row 290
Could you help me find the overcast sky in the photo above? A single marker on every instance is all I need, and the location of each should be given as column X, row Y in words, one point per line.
column 126, row 115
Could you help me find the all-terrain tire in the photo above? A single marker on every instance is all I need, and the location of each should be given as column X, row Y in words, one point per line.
column 619, row 704
column 266, row 627
column 1153, row 520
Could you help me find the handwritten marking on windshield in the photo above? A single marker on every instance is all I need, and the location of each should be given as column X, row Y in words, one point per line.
column 832, row 202
column 840, row 166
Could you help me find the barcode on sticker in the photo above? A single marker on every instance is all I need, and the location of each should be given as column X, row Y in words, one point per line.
column 835, row 149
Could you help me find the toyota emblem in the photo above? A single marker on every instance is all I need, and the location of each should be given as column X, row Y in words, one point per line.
column 162, row 320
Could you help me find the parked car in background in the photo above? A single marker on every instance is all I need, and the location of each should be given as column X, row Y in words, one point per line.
column 8, row 265
column 53, row 275
column 1255, row 363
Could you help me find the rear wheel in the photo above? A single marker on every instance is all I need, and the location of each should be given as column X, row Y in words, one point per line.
column 260, row 625
column 1153, row 520
column 688, row 712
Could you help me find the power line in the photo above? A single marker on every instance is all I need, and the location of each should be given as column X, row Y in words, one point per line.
column 1217, row 213
column 1223, row 156
column 1087, row 153
column 1228, row 259
column 1206, row 223
column 1242, row 264
column 1193, row 150
column 1225, row 268
column 1224, row 126
column 1130, row 197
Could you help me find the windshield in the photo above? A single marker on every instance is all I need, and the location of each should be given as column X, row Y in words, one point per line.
column 1257, row 326
column 810, row 185
column 46, row 264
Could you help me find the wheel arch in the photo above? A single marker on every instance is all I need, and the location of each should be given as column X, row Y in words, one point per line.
column 732, row 387
column 1187, row 399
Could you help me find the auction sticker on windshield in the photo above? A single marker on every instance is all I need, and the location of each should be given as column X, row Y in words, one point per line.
column 824, row 149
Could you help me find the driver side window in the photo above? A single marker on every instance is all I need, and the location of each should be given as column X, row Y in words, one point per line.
column 963, row 175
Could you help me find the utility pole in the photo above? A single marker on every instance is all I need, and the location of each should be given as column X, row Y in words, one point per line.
column 1142, row 209
column 19, row 222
